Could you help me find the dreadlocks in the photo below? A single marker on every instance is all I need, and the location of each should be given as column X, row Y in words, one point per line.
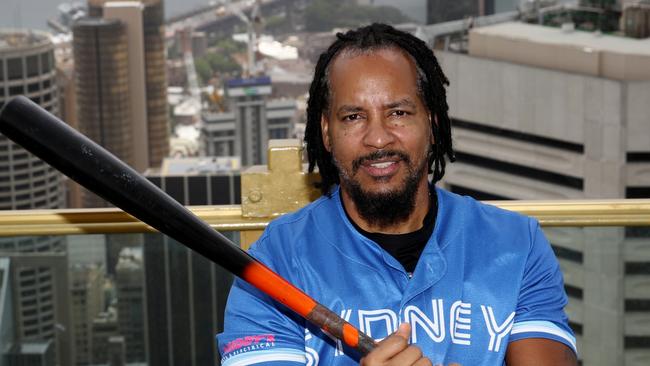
column 431, row 87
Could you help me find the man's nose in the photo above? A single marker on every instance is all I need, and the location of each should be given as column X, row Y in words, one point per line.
column 378, row 133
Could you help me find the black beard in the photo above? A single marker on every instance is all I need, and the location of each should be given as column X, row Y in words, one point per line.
column 387, row 208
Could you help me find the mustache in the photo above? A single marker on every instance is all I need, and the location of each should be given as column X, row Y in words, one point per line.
column 379, row 154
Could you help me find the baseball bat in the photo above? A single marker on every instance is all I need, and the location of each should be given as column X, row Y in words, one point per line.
column 99, row 171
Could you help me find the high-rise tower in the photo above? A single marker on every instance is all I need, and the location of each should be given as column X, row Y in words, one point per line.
column 103, row 106
column 26, row 182
column 156, row 79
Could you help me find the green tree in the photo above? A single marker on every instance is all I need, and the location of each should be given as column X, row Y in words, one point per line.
column 203, row 70
column 324, row 15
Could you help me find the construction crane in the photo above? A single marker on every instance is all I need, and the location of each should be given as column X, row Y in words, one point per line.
column 188, row 59
column 254, row 24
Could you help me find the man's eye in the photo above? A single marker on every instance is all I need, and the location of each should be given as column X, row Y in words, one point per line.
column 399, row 113
column 351, row 117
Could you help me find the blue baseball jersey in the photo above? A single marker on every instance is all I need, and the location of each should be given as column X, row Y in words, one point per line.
column 486, row 277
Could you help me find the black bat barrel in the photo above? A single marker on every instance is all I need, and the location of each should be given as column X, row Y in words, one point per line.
column 92, row 166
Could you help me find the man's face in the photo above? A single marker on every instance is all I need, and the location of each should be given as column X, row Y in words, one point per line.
column 377, row 128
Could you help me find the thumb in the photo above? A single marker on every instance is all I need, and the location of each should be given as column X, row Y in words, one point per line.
column 404, row 331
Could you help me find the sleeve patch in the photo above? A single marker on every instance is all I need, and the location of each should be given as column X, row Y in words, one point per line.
column 275, row 355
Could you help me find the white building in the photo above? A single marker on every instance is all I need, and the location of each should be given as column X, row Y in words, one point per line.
column 542, row 113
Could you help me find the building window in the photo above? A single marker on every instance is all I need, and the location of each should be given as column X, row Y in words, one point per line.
column 21, row 187
column 278, row 133
column 33, row 87
column 46, row 84
column 15, row 68
column 32, row 66
column 2, row 69
column 46, row 62
column 16, row 90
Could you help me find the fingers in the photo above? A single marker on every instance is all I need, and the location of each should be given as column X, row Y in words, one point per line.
column 389, row 347
column 404, row 331
column 395, row 350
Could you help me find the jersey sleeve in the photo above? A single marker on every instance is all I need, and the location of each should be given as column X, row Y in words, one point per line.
column 540, row 309
column 258, row 330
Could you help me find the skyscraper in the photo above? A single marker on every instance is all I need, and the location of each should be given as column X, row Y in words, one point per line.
column 6, row 311
column 185, row 292
column 248, row 102
column 87, row 292
column 156, row 80
column 274, row 119
column 104, row 109
column 130, row 14
column 546, row 113
column 27, row 67
column 129, row 281
column 26, row 182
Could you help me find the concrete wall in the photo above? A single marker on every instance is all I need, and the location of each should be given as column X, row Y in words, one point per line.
column 572, row 108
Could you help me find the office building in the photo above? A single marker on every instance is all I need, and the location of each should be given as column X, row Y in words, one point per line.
column 27, row 68
column 549, row 113
column 6, row 311
column 129, row 283
column 87, row 300
column 155, row 78
column 102, row 85
column 186, row 293
column 245, row 131
column 439, row 11
column 117, row 351
column 104, row 327
column 32, row 354
column 248, row 103
column 130, row 15
column 26, row 182
column 558, row 113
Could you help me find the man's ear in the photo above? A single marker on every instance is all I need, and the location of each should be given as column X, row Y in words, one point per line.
column 324, row 129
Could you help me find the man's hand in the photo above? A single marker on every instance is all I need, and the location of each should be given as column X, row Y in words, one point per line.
column 395, row 350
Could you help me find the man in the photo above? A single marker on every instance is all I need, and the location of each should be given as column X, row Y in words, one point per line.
column 440, row 278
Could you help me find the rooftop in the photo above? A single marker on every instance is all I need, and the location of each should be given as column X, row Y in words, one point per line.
column 202, row 165
column 33, row 348
column 586, row 53
column 13, row 39
column 575, row 38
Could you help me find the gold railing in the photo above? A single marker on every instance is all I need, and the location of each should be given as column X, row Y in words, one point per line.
column 284, row 186
column 622, row 212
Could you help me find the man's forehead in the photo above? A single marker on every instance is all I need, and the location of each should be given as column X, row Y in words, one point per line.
column 388, row 50
column 362, row 67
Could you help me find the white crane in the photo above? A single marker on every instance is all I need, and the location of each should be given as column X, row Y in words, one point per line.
column 253, row 29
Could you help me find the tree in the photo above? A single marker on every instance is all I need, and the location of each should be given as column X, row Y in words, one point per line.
column 203, row 70
column 324, row 15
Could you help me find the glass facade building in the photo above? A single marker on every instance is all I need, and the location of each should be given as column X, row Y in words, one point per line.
column 27, row 68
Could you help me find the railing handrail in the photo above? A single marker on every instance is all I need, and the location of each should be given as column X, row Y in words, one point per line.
column 113, row 221
column 614, row 212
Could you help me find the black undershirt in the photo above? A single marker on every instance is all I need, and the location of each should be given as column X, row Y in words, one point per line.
column 408, row 247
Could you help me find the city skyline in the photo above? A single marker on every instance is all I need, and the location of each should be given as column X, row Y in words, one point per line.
column 532, row 119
